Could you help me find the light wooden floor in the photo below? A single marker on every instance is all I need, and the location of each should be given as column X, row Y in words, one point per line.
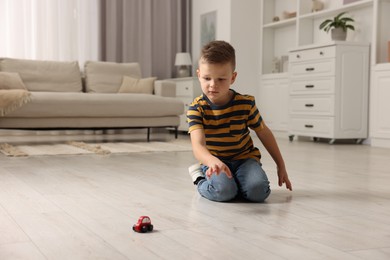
column 83, row 207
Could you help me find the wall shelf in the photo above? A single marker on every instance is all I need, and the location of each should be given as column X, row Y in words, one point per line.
column 281, row 23
column 382, row 66
column 334, row 11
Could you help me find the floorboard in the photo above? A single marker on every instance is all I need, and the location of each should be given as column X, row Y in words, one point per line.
column 83, row 207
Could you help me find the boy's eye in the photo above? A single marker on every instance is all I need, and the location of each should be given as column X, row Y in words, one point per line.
column 220, row 79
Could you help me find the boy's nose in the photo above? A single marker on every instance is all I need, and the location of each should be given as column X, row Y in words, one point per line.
column 212, row 83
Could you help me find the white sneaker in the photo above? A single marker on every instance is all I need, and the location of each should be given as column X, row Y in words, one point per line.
column 195, row 172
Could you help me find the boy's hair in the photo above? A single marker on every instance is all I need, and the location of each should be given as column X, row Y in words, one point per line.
column 218, row 52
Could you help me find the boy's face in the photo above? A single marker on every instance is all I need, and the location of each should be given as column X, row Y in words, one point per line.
column 215, row 81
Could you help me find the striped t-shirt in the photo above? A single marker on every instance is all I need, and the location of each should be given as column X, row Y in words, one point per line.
column 226, row 127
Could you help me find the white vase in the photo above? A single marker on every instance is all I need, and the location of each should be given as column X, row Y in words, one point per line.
column 338, row 34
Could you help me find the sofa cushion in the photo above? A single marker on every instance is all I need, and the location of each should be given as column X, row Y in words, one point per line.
column 85, row 105
column 11, row 80
column 90, row 122
column 56, row 76
column 134, row 85
column 107, row 77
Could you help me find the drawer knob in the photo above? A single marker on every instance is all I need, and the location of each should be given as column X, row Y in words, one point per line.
column 309, row 69
column 298, row 56
column 321, row 53
column 309, row 126
column 309, row 105
column 309, row 86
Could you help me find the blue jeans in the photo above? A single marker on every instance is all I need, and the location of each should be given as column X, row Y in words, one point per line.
column 249, row 181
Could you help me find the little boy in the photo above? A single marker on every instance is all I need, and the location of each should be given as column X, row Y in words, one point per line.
column 219, row 122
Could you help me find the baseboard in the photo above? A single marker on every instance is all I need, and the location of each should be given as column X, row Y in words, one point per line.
column 380, row 142
column 277, row 134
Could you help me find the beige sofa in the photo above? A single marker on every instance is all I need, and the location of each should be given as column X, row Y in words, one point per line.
column 54, row 95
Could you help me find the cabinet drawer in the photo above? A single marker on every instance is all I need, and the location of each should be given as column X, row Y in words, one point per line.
column 311, row 86
column 183, row 123
column 312, row 54
column 319, row 68
column 312, row 105
column 184, row 89
column 320, row 127
column 183, row 118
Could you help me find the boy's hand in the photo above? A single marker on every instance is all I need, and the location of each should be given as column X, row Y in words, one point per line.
column 217, row 168
column 283, row 178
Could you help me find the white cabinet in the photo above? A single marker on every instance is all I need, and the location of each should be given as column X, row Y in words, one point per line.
column 280, row 33
column 329, row 91
column 187, row 89
column 380, row 106
column 279, row 36
column 380, row 77
column 273, row 102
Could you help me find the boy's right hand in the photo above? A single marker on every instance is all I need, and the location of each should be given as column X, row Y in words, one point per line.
column 217, row 168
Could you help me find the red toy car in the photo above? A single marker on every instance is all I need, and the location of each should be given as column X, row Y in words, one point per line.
column 143, row 225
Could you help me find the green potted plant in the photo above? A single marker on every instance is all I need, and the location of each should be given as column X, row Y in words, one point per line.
column 339, row 25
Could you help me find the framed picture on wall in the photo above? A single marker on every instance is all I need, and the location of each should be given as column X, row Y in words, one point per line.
column 208, row 27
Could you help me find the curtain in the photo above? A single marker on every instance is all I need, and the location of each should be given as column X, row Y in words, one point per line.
column 50, row 30
column 149, row 32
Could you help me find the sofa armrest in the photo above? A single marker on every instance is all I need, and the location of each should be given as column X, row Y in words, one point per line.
column 165, row 88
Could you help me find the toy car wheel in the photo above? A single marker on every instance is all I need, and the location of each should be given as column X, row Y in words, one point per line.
column 150, row 228
column 133, row 228
column 144, row 229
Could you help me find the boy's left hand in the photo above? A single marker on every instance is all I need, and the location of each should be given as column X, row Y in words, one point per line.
column 283, row 178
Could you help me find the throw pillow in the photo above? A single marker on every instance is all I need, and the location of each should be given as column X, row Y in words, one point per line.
column 133, row 85
column 107, row 77
column 11, row 80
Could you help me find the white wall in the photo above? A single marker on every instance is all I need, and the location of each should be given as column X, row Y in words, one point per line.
column 200, row 7
column 245, row 37
column 238, row 22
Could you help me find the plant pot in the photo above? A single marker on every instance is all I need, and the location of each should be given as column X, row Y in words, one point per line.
column 338, row 34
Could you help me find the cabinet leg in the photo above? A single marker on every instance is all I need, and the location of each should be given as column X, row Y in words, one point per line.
column 291, row 138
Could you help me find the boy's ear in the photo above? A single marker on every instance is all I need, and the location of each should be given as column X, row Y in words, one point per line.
column 233, row 77
column 197, row 72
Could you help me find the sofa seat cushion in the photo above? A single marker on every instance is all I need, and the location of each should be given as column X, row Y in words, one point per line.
column 51, row 104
